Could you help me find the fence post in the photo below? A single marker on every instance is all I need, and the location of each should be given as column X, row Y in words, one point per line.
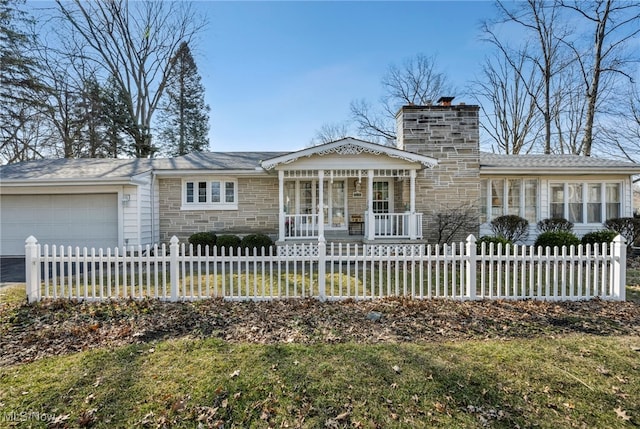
column 31, row 266
column 322, row 260
column 619, row 267
column 174, row 249
column 471, row 258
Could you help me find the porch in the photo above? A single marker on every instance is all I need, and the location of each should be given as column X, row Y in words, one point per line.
column 351, row 205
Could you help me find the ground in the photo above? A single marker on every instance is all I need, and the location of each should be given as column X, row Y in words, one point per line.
column 60, row 327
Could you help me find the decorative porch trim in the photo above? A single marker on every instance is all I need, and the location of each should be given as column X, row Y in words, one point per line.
column 349, row 146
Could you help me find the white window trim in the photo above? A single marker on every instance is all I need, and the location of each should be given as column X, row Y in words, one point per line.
column 584, row 186
column 505, row 198
column 209, row 205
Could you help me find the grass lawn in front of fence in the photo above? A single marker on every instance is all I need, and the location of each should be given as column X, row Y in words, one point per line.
column 574, row 381
column 566, row 380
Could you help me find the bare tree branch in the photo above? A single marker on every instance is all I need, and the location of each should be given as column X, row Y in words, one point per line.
column 134, row 43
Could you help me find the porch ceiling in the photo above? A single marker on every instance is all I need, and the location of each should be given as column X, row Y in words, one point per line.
column 349, row 153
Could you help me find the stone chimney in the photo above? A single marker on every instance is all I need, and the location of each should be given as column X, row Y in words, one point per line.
column 449, row 133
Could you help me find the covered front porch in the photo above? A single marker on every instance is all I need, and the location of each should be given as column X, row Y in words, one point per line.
column 348, row 203
column 322, row 195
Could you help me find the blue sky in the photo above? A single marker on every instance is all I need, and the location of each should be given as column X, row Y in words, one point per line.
column 275, row 72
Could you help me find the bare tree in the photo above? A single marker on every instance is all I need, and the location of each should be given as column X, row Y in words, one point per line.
column 542, row 20
column 615, row 24
column 330, row 133
column 621, row 133
column 567, row 111
column 416, row 81
column 511, row 118
column 451, row 221
column 134, row 44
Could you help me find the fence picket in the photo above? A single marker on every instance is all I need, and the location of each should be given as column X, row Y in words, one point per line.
column 458, row 271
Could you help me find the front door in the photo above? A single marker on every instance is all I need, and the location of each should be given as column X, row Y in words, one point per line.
column 383, row 204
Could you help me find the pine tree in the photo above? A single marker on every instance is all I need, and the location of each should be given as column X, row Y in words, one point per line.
column 19, row 88
column 184, row 116
column 116, row 121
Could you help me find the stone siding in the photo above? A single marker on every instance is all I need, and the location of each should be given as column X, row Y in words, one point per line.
column 257, row 211
column 451, row 135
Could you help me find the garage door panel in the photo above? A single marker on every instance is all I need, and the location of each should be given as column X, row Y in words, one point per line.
column 82, row 220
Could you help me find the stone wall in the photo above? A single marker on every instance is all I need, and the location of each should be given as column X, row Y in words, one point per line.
column 451, row 135
column 257, row 211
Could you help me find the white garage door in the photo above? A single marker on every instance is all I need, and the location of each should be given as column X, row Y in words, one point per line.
column 89, row 220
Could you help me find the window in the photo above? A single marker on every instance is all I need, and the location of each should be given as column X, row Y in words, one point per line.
column 208, row 195
column 613, row 201
column 575, row 203
column 509, row 196
column 584, row 202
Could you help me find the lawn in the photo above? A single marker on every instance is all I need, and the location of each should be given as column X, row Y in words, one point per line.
column 307, row 364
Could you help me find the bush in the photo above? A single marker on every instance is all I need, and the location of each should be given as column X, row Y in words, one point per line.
column 555, row 225
column 513, row 228
column 628, row 227
column 256, row 241
column 557, row 238
column 203, row 239
column 491, row 239
column 228, row 243
column 597, row 237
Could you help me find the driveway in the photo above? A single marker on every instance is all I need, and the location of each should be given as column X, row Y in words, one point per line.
column 12, row 270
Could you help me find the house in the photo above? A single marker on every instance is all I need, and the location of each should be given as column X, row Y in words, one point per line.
column 344, row 189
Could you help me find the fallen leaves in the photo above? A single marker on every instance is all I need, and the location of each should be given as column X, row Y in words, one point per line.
column 622, row 414
column 60, row 327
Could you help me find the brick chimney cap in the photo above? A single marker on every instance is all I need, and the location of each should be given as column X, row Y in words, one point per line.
column 444, row 100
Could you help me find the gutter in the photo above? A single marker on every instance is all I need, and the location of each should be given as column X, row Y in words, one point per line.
column 546, row 171
column 68, row 182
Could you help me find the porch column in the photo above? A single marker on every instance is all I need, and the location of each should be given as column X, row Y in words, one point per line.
column 321, row 205
column 371, row 227
column 412, row 191
column 281, row 231
column 413, row 233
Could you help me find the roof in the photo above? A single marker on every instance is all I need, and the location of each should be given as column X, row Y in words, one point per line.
column 349, row 146
column 65, row 169
column 215, row 161
column 105, row 170
column 553, row 164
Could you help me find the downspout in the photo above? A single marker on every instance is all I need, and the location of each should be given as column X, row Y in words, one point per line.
column 153, row 208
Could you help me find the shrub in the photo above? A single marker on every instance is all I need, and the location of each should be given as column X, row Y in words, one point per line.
column 513, row 228
column 491, row 239
column 628, row 227
column 203, row 239
column 555, row 225
column 228, row 243
column 256, row 241
column 597, row 237
column 455, row 221
column 557, row 238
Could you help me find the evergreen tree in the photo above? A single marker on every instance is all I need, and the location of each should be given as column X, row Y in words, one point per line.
column 184, row 116
column 20, row 91
column 117, row 121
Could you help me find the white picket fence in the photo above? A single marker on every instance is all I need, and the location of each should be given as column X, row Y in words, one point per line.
column 327, row 271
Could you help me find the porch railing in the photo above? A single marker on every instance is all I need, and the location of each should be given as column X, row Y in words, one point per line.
column 393, row 225
column 301, row 225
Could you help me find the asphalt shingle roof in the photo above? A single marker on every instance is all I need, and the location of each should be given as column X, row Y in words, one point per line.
column 85, row 168
column 551, row 162
column 216, row 161
column 95, row 169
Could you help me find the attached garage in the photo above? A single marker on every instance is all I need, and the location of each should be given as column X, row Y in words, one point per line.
column 81, row 220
